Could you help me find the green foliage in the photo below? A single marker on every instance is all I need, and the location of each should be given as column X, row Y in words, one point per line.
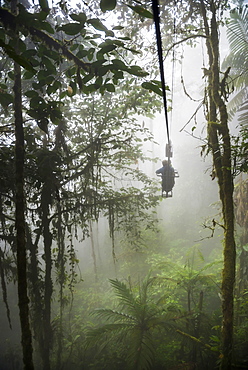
column 141, row 11
column 154, row 86
column 107, row 5
column 185, row 280
column 68, row 56
column 140, row 316
column 240, row 150
column 237, row 29
column 241, row 342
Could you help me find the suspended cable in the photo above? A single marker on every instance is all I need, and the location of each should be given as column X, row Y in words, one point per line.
column 155, row 9
column 174, row 38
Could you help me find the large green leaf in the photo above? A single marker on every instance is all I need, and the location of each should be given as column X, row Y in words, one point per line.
column 37, row 102
column 110, row 87
column 97, row 24
column 107, row 5
column 5, row 99
column 87, row 78
column 43, row 124
column 118, row 43
column 141, row 11
column 118, row 65
column 80, row 17
column 44, row 5
column 90, row 54
column 82, row 53
column 45, row 77
column 137, row 71
column 28, row 75
column 34, row 113
column 31, row 94
column 55, row 115
column 17, row 58
column 118, row 28
column 51, row 69
column 46, row 27
column 54, row 87
column 98, row 63
column 72, row 28
column 102, row 70
column 106, row 49
column 117, row 76
column 152, row 87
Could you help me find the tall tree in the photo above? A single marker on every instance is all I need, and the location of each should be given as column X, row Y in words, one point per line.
column 220, row 144
column 23, row 300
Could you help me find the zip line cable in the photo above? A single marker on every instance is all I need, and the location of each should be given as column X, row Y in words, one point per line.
column 173, row 63
column 155, row 9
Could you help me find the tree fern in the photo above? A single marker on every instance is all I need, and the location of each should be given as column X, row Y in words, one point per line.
column 113, row 315
column 237, row 34
column 134, row 324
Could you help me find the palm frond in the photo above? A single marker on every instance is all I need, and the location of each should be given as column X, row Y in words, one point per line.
column 208, row 266
column 237, row 34
column 107, row 331
column 124, row 294
column 243, row 114
column 143, row 296
column 162, row 324
column 113, row 315
column 236, row 102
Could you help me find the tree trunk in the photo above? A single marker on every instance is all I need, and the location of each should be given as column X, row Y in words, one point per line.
column 23, row 300
column 36, row 290
column 219, row 141
column 45, row 202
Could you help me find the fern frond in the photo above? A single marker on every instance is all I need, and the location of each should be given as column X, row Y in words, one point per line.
column 167, row 318
column 236, row 102
column 237, row 33
column 144, row 289
column 113, row 315
column 109, row 330
column 124, row 294
column 243, row 114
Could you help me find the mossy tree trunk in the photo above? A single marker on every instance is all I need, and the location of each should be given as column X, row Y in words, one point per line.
column 219, row 142
column 45, row 204
column 23, row 301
